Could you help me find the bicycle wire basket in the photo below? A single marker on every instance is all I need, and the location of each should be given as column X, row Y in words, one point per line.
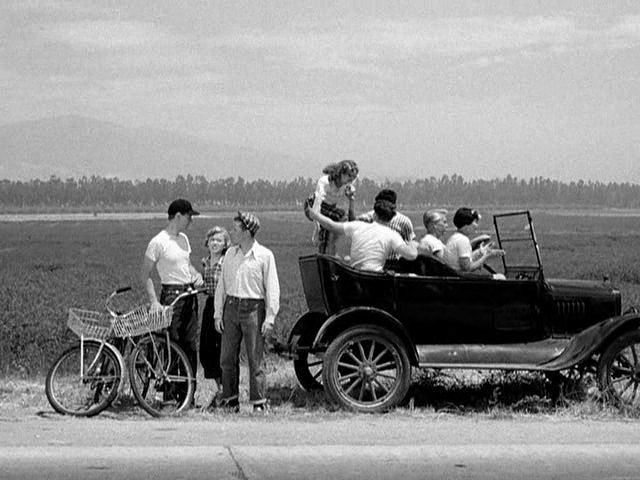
column 90, row 324
column 141, row 320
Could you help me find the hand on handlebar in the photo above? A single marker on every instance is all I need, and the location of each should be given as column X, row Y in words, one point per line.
column 155, row 307
column 198, row 281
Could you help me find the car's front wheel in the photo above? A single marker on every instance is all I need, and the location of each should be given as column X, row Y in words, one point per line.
column 366, row 368
column 619, row 370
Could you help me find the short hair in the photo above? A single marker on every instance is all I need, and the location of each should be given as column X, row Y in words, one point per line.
column 465, row 216
column 384, row 209
column 215, row 231
column 432, row 216
column 387, row 194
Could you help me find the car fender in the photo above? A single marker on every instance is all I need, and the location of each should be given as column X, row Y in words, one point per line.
column 362, row 315
column 592, row 340
column 305, row 329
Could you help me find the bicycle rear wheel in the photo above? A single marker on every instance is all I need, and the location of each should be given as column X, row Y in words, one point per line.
column 83, row 381
column 161, row 377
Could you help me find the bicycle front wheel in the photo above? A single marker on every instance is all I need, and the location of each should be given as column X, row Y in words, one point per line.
column 84, row 380
column 161, row 377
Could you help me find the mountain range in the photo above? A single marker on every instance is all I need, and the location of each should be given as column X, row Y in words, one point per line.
column 74, row 146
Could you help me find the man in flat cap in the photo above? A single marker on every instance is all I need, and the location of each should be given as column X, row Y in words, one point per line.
column 247, row 300
column 169, row 253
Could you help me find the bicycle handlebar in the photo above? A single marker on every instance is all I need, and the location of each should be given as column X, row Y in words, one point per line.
column 118, row 291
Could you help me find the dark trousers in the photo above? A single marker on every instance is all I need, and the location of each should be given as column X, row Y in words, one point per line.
column 209, row 342
column 243, row 318
column 184, row 324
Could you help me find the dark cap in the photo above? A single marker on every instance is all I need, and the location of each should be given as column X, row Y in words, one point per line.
column 181, row 206
column 249, row 220
column 465, row 216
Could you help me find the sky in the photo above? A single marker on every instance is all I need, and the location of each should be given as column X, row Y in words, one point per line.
column 481, row 89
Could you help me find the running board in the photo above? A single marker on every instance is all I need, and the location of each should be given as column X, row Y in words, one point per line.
column 511, row 356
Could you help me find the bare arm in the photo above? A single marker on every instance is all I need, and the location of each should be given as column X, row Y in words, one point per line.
column 485, row 253
column 145, row 278
column 326, row 222
column 408, row 251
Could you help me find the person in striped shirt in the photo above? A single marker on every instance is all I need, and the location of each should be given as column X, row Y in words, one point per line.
column 399, row 222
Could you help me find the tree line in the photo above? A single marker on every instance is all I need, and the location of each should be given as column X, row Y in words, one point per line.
column 97, row 192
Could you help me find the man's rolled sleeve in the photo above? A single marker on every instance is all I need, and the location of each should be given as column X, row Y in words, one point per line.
column 272, row 290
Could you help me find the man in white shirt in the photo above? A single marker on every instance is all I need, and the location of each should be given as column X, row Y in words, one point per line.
column 169, row 253
column 398, row 222
column 371, row 243
column 435, row 221
column 247, row 300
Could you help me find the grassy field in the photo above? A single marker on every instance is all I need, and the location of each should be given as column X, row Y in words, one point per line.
column 47, row 267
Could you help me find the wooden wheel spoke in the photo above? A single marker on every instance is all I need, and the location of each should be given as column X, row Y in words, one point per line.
column 362, row 389
column 634, row 354
column 348, row 376
column 353, row 385
column 363, row 356
column 383, row 387
column 635, row 391
column 373, row 390
column 621, row 372
column 350, row 366
column 619, row 379
column 356, row 359
column 626, row 387
column 371, row 350
column 387, row 366
column 380, row 355
column 390, row 377
column 622, row 359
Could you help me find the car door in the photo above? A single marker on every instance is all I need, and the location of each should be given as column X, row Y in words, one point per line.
column 443, row 310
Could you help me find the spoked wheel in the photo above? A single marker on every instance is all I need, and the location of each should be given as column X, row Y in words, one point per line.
column 84, row 381
column 367, row 369
column 619, row 371
column 161, row 377
column 308, row 368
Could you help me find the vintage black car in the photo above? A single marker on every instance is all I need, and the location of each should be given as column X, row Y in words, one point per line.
column 364, row 331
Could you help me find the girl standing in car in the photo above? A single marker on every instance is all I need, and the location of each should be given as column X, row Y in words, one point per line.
column 331, row 189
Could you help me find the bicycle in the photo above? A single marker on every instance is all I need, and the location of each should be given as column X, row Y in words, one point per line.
column 84, row 380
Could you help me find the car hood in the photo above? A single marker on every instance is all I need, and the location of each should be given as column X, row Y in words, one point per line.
column 579, row 288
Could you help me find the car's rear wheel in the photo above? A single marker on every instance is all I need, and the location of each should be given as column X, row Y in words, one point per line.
column 619, row 370
column 308, row 368
column 366, row 368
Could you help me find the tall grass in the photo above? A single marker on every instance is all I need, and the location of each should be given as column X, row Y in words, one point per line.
column 47, row 267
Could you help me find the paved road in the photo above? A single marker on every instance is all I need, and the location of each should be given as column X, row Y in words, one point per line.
column 356, row 447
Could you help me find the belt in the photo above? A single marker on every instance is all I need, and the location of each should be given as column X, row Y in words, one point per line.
column 244, row 301
column 177, row 287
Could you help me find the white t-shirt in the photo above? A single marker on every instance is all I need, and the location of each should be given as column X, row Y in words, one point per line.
column 172, row 257
column 371, row 244
column 458, row 246
column 432, row 244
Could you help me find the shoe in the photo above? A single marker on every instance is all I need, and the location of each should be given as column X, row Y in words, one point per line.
column 224, row 405
column 260, row 408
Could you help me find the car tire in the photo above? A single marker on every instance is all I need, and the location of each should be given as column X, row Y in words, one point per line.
column 619, row 370
column 308, row 368
column 366, row 368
